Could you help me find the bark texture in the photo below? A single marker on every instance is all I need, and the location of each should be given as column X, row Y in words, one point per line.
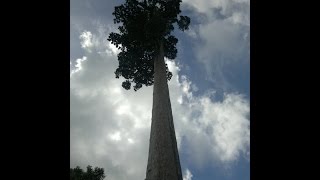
column 163, row 159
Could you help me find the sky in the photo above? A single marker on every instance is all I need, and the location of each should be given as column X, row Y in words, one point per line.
column 209, row 92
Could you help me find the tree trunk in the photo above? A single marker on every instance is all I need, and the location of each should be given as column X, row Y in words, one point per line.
column 163, row 160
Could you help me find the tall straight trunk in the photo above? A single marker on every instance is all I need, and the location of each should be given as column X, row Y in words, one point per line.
column 163, row 159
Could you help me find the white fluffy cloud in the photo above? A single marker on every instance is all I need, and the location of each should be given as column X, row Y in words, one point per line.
column 110, row 126
column 221, row 37
column 187, row 175
column 212, row 130
column 236, row 11
column 86, row 38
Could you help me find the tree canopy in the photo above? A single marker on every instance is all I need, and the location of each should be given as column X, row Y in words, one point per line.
column 91, row 174
column 144, row 25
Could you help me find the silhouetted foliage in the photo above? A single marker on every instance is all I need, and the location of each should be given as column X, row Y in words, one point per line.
column 91, row 174
column 144, row 24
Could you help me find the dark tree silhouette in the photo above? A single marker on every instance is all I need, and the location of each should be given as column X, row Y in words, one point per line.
column 91, row 174
column 145, row 26
column 144, row 39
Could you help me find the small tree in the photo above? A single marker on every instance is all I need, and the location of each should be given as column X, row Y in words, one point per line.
column 91, row 174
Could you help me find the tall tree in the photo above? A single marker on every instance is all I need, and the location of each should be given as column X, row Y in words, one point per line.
column 144, row 39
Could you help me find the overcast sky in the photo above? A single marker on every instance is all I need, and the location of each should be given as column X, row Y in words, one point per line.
column 209, row 92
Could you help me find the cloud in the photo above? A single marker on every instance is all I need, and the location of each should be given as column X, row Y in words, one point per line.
column 236, row 11
column 86, row 38
column 84, row 14
column 187, row 175
column 78, row 65
column 221, row 40
column 225, row 47
column 212, row 131
column 110, row 127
